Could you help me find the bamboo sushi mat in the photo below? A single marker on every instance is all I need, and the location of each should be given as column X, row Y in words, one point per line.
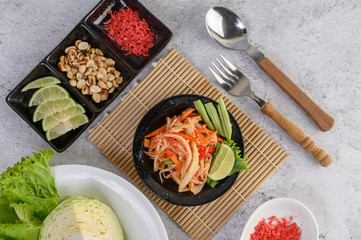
column 174, row 75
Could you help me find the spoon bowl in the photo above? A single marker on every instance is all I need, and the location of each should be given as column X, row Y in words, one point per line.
column 226, row 28
column 229, row 31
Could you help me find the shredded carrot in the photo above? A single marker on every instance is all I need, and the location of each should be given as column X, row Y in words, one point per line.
column 146, row 143
column 208, row 139
column 203, row 130
column 161, row 166
column 186, row 113
column 186, row 137
column 155, row 132
column 174, row 159
column 151, row 153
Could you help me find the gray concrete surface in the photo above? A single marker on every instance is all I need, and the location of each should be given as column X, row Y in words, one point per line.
column 316, row 43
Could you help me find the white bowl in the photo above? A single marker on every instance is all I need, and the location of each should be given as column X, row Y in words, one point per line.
column 137, row 215
column 284, row 207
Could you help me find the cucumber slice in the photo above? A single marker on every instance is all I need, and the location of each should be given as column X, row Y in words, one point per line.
column 202, row 111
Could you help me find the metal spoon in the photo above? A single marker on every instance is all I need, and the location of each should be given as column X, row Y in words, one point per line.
column 228, row 30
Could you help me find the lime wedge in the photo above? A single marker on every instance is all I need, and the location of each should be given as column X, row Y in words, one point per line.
column 47, row 109
column 52, row 135
column 41, row 82
column 66, row 126
column 48, row 93
column 223, row 163
column 59, row 117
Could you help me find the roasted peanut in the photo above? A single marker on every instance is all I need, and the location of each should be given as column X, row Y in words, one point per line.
column 89, row 70
column 75, row 64
column 77, row 43
column 81, row 83
column 102, row 84
column 99, row 52
column 91, row 80
column 112, row 90
column 70, row 75
column 62, row 59
column 110, row 62
column 72, row 82
column 111, row 77
column 116, row 73
column 115, row 83
column 82, row 68
column 61, row 67
column 109, row 84
column 96, row 97
column 85, row 90
column 104, row 94
column 111, row 69
column 83, row 45
column 79, row 76
column 90, row 63
column 67, row 50
column 105, row 78
column 100, row 75
column 95, row 89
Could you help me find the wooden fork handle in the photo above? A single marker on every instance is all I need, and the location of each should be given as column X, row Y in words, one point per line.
column 320, row 117
column 297, row 135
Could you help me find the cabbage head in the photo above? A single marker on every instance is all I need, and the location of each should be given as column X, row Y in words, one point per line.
column 80, row 218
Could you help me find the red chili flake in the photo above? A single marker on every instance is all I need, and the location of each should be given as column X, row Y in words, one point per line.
column 130, row 32
column 276, row 229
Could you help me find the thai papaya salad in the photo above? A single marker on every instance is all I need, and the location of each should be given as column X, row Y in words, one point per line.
column 192, row 150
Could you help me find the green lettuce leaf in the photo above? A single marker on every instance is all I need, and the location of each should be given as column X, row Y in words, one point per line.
column 7, row 214
column 240, row 163
column 5, row 238
column 19, row 231
column 25, row 213
column 30, row 181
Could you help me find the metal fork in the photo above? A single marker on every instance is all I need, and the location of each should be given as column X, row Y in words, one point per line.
column 234, row 81
column 237, row 84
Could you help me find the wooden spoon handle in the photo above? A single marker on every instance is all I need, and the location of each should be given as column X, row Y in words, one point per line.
column 320, row 117
column 297, row 135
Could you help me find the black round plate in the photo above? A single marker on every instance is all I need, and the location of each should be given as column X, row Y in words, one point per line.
column 168, row 191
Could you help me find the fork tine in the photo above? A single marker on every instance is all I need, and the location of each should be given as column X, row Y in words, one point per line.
column 230, row 65
column 224, row 76
column 219, row 79
column 228, row 71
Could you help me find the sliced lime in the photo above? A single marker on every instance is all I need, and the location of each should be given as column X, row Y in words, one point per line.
column 59, row 117
column 41, row 82
column 48, row 93
column 66, row 126
column 49, row 108
column 223, row 163
column 52, row 135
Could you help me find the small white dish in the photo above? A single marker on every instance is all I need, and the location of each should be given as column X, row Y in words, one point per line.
column 137, row 215
column 284, row 208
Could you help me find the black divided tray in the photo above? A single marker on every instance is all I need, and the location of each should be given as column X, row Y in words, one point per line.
column 89, row 29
